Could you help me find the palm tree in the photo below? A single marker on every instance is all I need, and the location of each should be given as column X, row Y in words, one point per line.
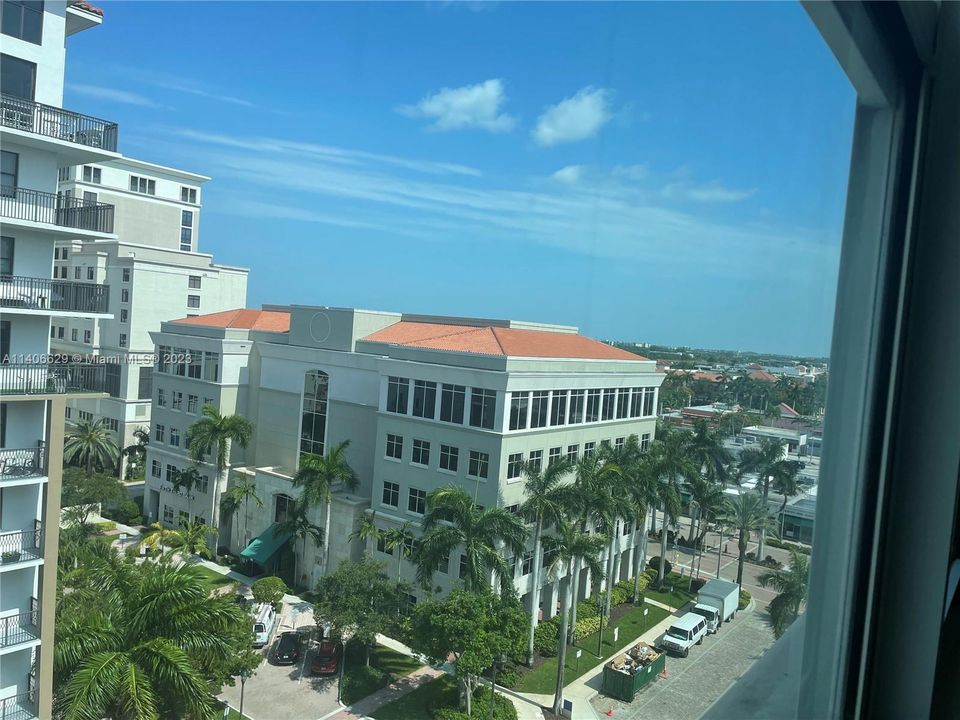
column 569, row 548
column 641, row 486
column 784, row 482
column 91, row 444
column 240, row 494
column 318, row 475
column 297, row 524
column 453, row 521
column 366, row 530
column 768, row 462
column 671, row 464
column 792, row 585
column 547, row 499
column 745, row 514
column 142, row 641
column 187, row 479
column 193, row 538
column 400, row 538
column 213, row 434
column 136, row 454
column 158, row 536
column 707, row 497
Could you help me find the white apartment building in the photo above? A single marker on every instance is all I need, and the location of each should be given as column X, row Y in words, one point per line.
column 38, row 136
column 424, row 401
column 154, row 272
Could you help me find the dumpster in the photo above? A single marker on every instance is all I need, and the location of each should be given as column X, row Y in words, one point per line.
column 627, row 673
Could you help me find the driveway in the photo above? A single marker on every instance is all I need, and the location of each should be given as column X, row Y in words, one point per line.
column 694, row 683
column 287, row 692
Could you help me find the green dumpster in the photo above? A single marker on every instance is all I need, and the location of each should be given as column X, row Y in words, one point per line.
column 627, row 673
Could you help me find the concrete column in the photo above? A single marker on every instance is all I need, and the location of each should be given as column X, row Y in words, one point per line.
column 548, row 600
column 630, row 552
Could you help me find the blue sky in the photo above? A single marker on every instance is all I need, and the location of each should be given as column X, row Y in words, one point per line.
column 670, row 173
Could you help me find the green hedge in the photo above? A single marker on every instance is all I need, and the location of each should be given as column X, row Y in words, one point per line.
column 803, row 549
column 586, row 627
column 503, row 709
column 361, row 680
column 545, row 637
column 744, row 599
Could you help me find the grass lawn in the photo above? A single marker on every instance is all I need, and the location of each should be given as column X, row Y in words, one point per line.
column 385, row 666
column 441, row 691
column 212, row 576
column 676, row 599
column 234, row 715
column 543, row 678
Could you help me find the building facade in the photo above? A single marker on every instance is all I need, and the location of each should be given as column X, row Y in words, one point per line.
column 154, row 271
column 38, row 136
column 423, row 401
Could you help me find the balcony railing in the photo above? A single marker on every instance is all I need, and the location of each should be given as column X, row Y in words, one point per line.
column 22, row 463
column 20, row 203
column 21, row 545
column 46, row 294
column 22, row 627
column 19, row 707
column 54, row 122
column 57, row 379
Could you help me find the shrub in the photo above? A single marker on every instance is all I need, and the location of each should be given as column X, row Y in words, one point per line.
column 545, row 638
column 585, row 627
column 105, row 526
column 654, row 565
column 697, row 584
column 128, row 513
column 619, row 595
column 588, row 609
column 268, row 590
column 503, row 709
column 744, row 599
column 360, row 681
column 509, row 677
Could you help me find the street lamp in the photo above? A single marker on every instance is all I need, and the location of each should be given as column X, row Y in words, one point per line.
column 244, row 676
column 498, row 664
column 601, row 605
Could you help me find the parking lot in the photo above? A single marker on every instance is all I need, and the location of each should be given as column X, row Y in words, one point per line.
column 694, row 683
column 287, row 692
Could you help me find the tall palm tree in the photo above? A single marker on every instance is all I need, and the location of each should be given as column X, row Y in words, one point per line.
column 193, row 538
column 453, row 521
column 187, row 479
column 366, row 530
column 568, row 547
column 641, row 486
column 136, row 453
column 90, row 444
column 298, row 525
column 400, row 538
column 746, row 514
column 142, row 641
column 784, row 482
column 318, row 475
column 672, row 464
column 792, row 584
column 240, row 494
column 214, row 433
column 768, row 462
column 547, row 499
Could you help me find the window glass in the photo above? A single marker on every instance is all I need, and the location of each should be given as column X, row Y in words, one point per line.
column 313, row 420
column 452, row 402
column 519, row 405
column 479, row 464
column 17, row 78
column 424, row 398
column 483, row 405
column 397, row 391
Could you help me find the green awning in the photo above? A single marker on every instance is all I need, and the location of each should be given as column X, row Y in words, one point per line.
column 263, row 547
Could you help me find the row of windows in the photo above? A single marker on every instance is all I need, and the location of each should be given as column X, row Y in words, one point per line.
column 477, row 467
column 57, row 333
column 186, row 363
column 23, row 19
column 448, row 407
column 515, row 460
column 109, row 423
column 186, row 230
column 159, row 434
column 541, row 408
column 60, row 253
column 156, row 470
column 176, row 399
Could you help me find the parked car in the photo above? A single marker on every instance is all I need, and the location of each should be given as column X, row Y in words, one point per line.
column 710, row 614
column 685, row 632
column 263, row 623
column 326, row 661
column 288, row 649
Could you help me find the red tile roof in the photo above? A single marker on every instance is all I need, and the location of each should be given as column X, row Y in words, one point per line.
column 508, row 342
column 762, row 376
column 87, row 6
column 272, row 320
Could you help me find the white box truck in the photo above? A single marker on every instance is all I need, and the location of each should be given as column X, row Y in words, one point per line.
column 722, row 595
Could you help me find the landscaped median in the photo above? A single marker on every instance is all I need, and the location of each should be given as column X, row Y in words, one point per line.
column 386, row 665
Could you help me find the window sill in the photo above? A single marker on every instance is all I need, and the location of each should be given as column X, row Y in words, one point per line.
column 420, row 465
column 392, row 459
column 447, row 472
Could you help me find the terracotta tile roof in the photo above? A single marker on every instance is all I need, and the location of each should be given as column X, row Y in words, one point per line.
column 762, row 376
column 510, row 342
column 87, row 6
column 272, row 320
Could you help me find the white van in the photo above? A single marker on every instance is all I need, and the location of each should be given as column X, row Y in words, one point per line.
column 710, row 614
column 263, row 621
column 686, row 631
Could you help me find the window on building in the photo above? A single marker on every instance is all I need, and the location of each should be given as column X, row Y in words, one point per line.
column 193, row 282
column 535, row 461
column 452, row 399
column 645, row 441
column 483, row 405
column 124, row 295
column 53, row 331
column 143, row 185
column 479, row 464
column 168, row 514
column 283, row 508
column 573, row 453
column 9, row 168
column 519, row 405
column 514, row 465
column 395, row 446
column 123, row 340
column 74, row 334
column 17, row 77
column 449, row 458
column 91, row 174
column 23, row 19
column 188, row 195
column 619, row 443
column 211, row 366
column 558, row 410
column 421, row 452
column 63, row 174
column 192, row 401
column 593, row 405
column 87, row 336
column 382, row 546
column 609, row 401
column 161, row 397
column 171, row 473
column 144, row 387
column 588, row 449
column 186, row 230
column 64, row 253
column 155, row 469
column 76, row 272
column 313, row 423
column 184, row 517
column 174, row 437
column 538, row 408
column 193, row 301
column 527, row 567
column 424, row 399
column 443, row 565
column 398, row 390
column 636, row 402
column 90, row 273
column 464, row 568
column 391, row 494
column 623, row 402
column 60, row 330
column 417, row 501
column 125, row 275
column 553, row 455
column 648, row 395
column 177, row 400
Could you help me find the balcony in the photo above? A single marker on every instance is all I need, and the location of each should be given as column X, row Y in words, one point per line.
column 19, row 707
column 17, row 203
column 20, row 546
column 57, row 123
column 21, row 627
column 52, row 379
column 22, row 464
column 60, row 295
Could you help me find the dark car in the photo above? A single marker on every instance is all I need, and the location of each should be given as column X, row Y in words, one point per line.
column 327, row 659
column 288, row 649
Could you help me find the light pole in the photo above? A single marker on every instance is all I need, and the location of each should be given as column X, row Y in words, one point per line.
column 497, row 664
column 601, row 604
column 244, row 676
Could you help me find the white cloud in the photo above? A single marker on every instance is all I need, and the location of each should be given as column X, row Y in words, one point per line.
column 574, row 118
column 190, row 90
column 470, row 106
column 708, row 193
column 568, row 175
column 113, row 95
column 632, row 172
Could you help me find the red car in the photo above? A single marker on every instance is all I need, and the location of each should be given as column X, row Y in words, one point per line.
column 326, row 661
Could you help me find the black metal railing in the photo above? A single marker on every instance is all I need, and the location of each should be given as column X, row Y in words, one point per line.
column 22, row 627
column 54, row 122
column 22, row 545
column 19, row 707
column 22, row 463
column 20, row 203
column 46, row 294
column 49, row 378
